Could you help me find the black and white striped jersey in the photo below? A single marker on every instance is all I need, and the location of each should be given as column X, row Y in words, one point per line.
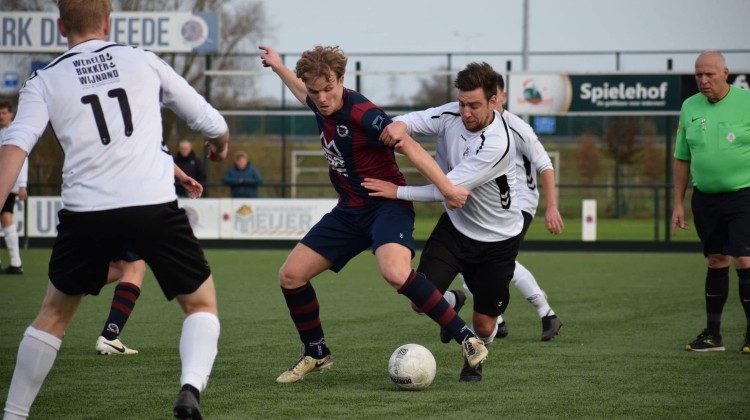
column 531, row 158
column 482, row 161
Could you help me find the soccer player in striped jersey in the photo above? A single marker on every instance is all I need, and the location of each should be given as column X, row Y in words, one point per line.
column 103, row 101
column 480, row 239
column 531, row 158
column 350, row 126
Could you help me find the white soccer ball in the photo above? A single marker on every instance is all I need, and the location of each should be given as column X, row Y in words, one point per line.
column 412, row 367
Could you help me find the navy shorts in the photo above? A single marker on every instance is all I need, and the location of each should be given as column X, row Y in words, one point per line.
column 487, row 266
column 343, row 233
column 722, row 221
column 161, row 234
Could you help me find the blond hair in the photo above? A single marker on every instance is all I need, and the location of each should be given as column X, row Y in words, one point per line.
column 320, row 62
column 83, row 16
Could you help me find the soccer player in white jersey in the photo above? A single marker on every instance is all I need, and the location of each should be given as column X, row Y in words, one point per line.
column 103, row 101
column 19, row 192
column 531, row 158
column 480, row 239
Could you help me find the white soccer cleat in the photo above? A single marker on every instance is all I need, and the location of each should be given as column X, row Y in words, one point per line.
column 474, row 351
column 113, row 347
column 304, row 366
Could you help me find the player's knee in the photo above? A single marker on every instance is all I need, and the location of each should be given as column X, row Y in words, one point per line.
column 395, row 276
column 718, row 261
column 289, row 279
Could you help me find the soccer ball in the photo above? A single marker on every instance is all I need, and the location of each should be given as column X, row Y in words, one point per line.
column 412, row 367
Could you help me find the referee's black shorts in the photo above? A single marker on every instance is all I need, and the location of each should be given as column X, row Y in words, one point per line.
column 487, row 266
column 160, row 234
column 722, row 221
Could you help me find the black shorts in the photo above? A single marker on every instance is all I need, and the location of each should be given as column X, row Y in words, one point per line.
column 160, row 234
column 487, row 266
column 722, row 221
column 10, row 204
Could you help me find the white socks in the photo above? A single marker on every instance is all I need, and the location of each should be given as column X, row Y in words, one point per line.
column 528, row 287
column 36, row 355
column 198, row 348
column 450, row 297
column 11, row 241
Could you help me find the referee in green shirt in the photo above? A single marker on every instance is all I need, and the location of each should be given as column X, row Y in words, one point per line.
column 713, row 148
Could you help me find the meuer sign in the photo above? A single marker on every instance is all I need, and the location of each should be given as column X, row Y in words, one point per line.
column 155, row 31
column 550, row 94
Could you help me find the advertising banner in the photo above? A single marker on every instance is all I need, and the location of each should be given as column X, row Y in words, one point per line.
column 555, row 94
column 273, row 218
column 155, row 31
column 213, row 218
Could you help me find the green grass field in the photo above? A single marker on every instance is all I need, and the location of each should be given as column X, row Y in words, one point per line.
column 620, row 354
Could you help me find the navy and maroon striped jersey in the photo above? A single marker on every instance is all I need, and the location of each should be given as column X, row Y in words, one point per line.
column 350, row 143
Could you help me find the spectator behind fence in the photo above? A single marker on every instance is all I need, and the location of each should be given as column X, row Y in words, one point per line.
column 242, row 177
column 186, row 160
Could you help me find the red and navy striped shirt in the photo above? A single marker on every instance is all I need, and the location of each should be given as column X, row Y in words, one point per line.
column 350, row 143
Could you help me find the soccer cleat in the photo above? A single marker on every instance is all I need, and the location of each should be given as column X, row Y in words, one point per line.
column 502, row 330
column 469, row 374
column 14, row 270
column 305, row 365
column 113, row 347
column 474, row 351
column 445, row 336
column 550, row 327
column 746, row 346
column 706, row 342
column 186, row 407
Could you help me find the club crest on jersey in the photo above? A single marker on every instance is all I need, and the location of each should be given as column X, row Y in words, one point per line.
column 731, row 137
column 378, row 122
column 342, row 130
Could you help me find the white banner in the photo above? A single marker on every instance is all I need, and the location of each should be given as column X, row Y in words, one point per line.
column 214, row 218
column 155, row 31
column 273, row 218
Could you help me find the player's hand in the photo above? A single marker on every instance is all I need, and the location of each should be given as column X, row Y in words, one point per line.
column 23, row 193
column 393, row 133
column 214, row 154
column 553, row 220
column 678, row 220
column 381, row 188
column 270, row 58
column 193, row 187
column 455, row 197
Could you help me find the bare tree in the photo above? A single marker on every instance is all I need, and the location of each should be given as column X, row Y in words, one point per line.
column 434, row 90
column 242, row 25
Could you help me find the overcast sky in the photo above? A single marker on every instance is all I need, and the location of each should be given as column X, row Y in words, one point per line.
column 496, row 25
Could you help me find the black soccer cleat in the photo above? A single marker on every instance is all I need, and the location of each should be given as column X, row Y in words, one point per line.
column 470, row 374
column 706, row 342
column 502, row 330
column 14, row 270
column 551, row 325
column 186, row 407
column 445, row 336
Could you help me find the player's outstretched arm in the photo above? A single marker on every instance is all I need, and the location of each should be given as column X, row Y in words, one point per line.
column 270, row 58
column 455, row 195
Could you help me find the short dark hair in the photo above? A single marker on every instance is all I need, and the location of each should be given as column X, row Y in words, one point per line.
column 500, row 82
column 477, row 75
column 6, row 104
